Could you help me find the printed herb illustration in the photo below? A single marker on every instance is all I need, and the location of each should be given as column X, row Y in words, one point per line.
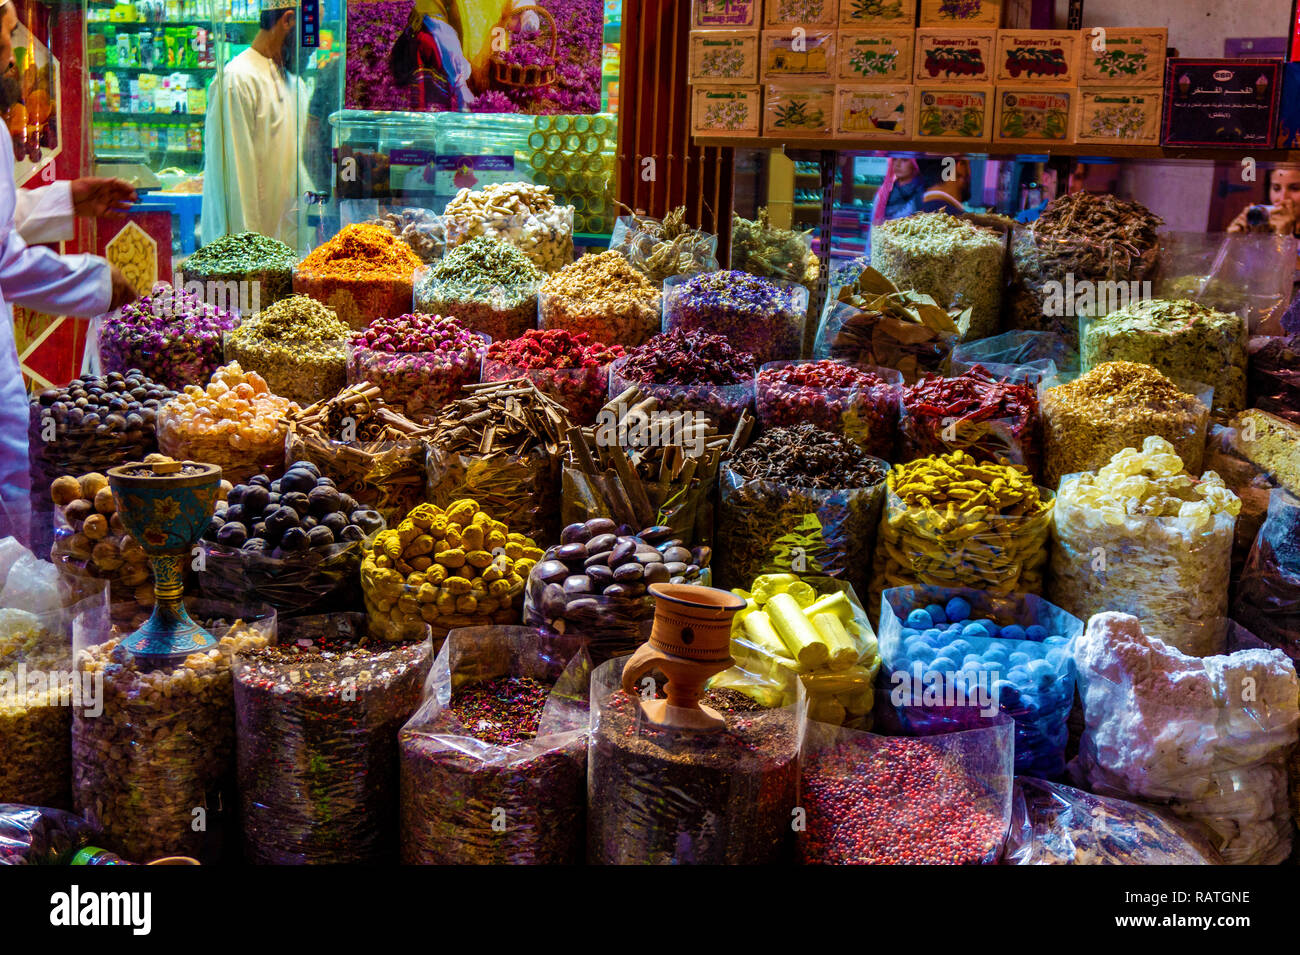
column 1122, row 62
column 723, row 63
column 960, row 9
column 727, row 114
column 801, row 11
column 1018, row 123
column 799, row 114
column 872, row 62
column 934, row 120
column 876, row 9
column 1118, row 122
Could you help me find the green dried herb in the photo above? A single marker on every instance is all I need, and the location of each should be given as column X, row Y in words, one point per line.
column 298, row 345
column 760, row 249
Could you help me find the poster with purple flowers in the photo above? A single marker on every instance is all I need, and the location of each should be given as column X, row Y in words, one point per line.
column 489, row 56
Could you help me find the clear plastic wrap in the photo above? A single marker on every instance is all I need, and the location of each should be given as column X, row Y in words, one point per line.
column 1182, row 339
column 644, row 243
column 1206, row 738
column 1083, row 434
column 103, row 549
column 418, row 383
column 468, row 801
column 521, row 490
column 155, row 769
column 422, row 229
column 723, row 404
column 785, row 255
column 317, row 717
column 768, row 527
column 1253, row 485
column 317, row 580
column 1273, row 375
column 1268, row 595
column 996, row 540
column 1017, row 355
column 387, row 476
column 304, row 373
column 852, row 334
column 937, row 800
column 606, row 299
column 865, row 411
column 39, row 689
column 32, row 835
column 662, row 796
column 954, row 674
column 1054, row 824
column 1142, row 537
column 1246, row 273
column 760, row 316
column 840, row 691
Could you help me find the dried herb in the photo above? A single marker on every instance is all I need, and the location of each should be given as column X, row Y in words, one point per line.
column 663, row 248
column 761, row 249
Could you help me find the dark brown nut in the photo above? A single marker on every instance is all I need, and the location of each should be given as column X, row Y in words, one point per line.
column 78, row 510
column 583, row 605
column 567, row 552
column 551, row 571
column 575, row 534
column 676, row 568
column 701, row 555
column 656, row 535
column 601, row 542
column 600, row 575
column 600, row 525
column 681, row 554
column 622, row 552
column 657, row 573
column 594, row 559
column 615, row 590
column 649, row 557
column 577, row 584
column 628, row 573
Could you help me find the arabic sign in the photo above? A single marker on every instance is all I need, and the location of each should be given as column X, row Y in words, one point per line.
column 1221, row 102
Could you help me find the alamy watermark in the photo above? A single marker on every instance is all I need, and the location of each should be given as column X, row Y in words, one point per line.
column 1086, row 297
column 244, row 297
column 35, row 688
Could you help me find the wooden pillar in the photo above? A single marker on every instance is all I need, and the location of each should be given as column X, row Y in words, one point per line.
column 658, row 168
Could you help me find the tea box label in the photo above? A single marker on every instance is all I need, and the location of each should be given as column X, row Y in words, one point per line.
column 1122, row 116
column 801, row 13
column 797, row 52
column 961, row 13
column 724, row 57
column 798, row 111
column 726, row 110
column 1038, row 57
column 949, row 114
column 1034, row 116
column 873, row 112
column 874, row 56
column 724, row 14
column 1122, row 56
column 885, row 13
column 963, row 57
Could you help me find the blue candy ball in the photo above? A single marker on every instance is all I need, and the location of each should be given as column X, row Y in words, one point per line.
column 937, row 615
column 1035, row 632
column 974, row 631
column 958, row 609
column 924, row 653
column 1019, row 658
column 970, row 658
column 1055, row 640
column 919, row 620
column 1013, row 632
column 943, row 664
column 962, row 647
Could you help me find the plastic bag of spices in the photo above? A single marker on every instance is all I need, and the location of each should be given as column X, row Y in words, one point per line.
column 801, row 501
column 936, row 800
column 952, row 522
column 954, row 657
column 861, row 403
column 1273, row 375
column 1268, row 596
column 494, row 763
column 1208, row 739
column 663, row 796
column 38, row 689
column 1054, row 824
column 757, row 315
column 992, row 418
column 662, row 248
column 687, row 513
column 1018, row 355
column 1244, row 273
column 33, row 835
column 161, row 755
column 317, row 717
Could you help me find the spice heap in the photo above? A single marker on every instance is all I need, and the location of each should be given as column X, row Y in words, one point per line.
column 789, row 633
column 265, row 263
column 372, row 452
column 1167, row 538
column 164, row 741
column 690, row 371
column 954, row 522
column 457, row 567
column 418, row 362
column 1090, row 238
column 603, row 296
column 502, row 734
column 423, row 231
column 363, row 272
column 799, row 500
column 782, row 254
column 235, row 422
column 1184, row 340
column 755, row 314
column 859, row 404
column 34, row 727
column 1115, row 406
column 660, row 795
column 95, row 542
column 1017, row 659
column 486, row 284
column 954, row 262
column 922, row 806
column 572, row 369
column 298, row 345
column 594, row 582
column 502, row 445
column 989, row 418
column 662, row 249
column 520, row 213
column 317, row 718
column 1207, row 738
column 169, row 334
column 873, row 323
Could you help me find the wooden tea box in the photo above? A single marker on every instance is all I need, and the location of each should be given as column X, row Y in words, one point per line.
column 874, row 112
column 731, row 111
column 953, row 114
column 801, row 13
column 960, row 57
column 796, row 53
column 1038, row 57
column 798, row 111
column 1122, row 56
column 725, row 14
column 961, row 13
column 1036, row 117
column 724, row 57
column 877, row 13
column 1115, row 115
column 874, row 56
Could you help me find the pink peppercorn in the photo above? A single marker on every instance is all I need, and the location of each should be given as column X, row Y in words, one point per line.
column 862, row 404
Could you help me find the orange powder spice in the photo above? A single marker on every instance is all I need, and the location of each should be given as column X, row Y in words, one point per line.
column 362, row 252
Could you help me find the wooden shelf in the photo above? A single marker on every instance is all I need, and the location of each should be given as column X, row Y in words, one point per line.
column 1002, row 149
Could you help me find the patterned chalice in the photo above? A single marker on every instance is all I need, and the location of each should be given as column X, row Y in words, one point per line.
column 165, row 505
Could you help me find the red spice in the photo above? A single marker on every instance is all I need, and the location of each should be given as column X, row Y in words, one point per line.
column 503, row 711
column 554, row 348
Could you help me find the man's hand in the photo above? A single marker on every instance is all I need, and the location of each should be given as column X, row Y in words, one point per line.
column 123, row 293
column 93, row 198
